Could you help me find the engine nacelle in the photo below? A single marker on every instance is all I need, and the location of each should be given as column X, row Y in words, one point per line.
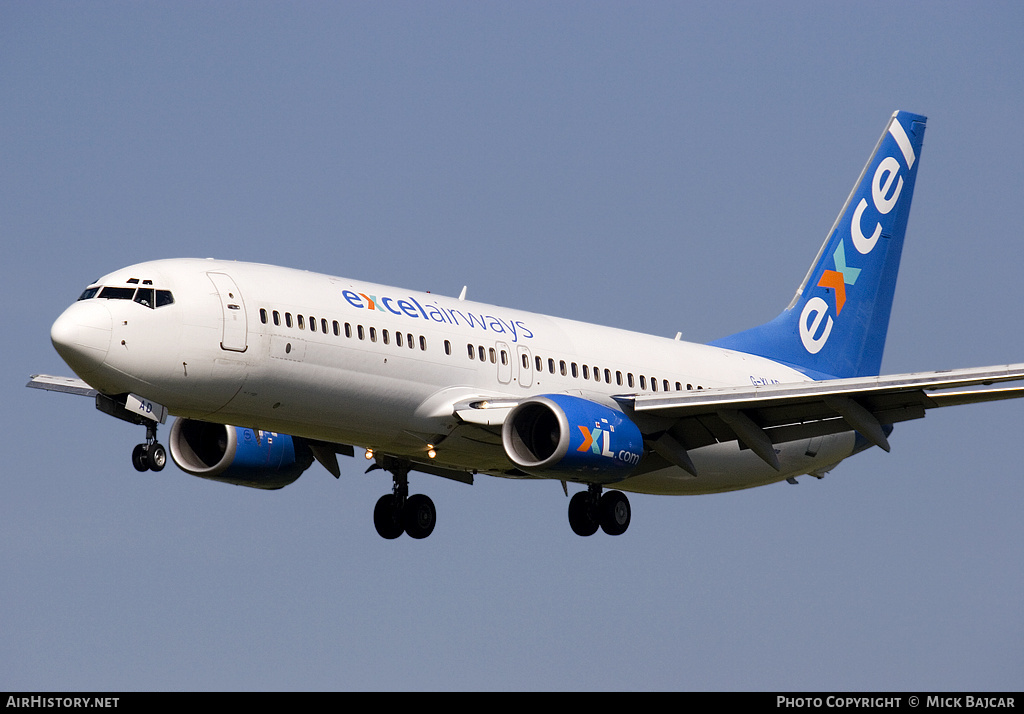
column 561, row 436
column 234, row 454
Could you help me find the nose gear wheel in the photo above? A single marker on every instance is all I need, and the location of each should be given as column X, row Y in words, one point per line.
column 150, row 456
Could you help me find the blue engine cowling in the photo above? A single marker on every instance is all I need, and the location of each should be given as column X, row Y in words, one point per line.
column 234, row 454
column 567, row 437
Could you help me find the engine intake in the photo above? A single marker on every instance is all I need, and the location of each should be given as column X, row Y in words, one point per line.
column 234, row 454
column 558, row 436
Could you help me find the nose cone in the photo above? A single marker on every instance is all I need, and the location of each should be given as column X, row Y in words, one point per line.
column 81, row 336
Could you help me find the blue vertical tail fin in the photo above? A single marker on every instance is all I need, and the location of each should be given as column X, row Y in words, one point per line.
column 836, row 324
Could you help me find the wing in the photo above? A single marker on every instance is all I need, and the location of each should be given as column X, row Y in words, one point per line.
column 68, row 385
column 760, row 416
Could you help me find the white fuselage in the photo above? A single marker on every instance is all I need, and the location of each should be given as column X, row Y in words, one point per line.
column 380, row 367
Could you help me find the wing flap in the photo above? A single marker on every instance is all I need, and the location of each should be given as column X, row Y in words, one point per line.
column 759, row 416
column 953, row 399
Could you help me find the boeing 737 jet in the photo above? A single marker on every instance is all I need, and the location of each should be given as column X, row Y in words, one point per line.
column 267, row 369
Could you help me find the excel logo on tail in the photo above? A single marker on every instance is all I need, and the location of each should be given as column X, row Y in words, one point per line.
column 818, row 316
column 816, row 309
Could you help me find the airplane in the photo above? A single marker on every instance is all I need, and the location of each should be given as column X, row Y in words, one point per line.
column 268, row 369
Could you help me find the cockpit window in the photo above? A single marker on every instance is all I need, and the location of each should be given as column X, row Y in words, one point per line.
column 144, row 296
column 117, row 293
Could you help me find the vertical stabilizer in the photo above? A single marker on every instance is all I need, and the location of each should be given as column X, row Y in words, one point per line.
column 837, row 322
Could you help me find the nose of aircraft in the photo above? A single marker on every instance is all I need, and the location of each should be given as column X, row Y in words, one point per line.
column 81, row 336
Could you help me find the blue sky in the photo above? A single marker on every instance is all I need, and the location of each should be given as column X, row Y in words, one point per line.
column 654, row 166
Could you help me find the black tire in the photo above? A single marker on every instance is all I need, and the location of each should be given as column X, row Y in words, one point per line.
column 156, row 457
column 385, row 517
column 139, row 460
column 581, row 515
column 419, row 516
column 615, row 513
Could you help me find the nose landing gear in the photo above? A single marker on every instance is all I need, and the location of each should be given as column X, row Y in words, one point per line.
column 150, row 456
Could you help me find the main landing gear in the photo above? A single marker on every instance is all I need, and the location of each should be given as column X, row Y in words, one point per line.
column 398, row 512
column 150, row 456
column 589, row 509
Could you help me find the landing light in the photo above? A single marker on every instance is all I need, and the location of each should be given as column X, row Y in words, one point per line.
column 369, row 454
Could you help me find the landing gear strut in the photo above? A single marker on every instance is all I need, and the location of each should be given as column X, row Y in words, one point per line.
column 589, row 509
column 150, row 456
column 398, row 512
